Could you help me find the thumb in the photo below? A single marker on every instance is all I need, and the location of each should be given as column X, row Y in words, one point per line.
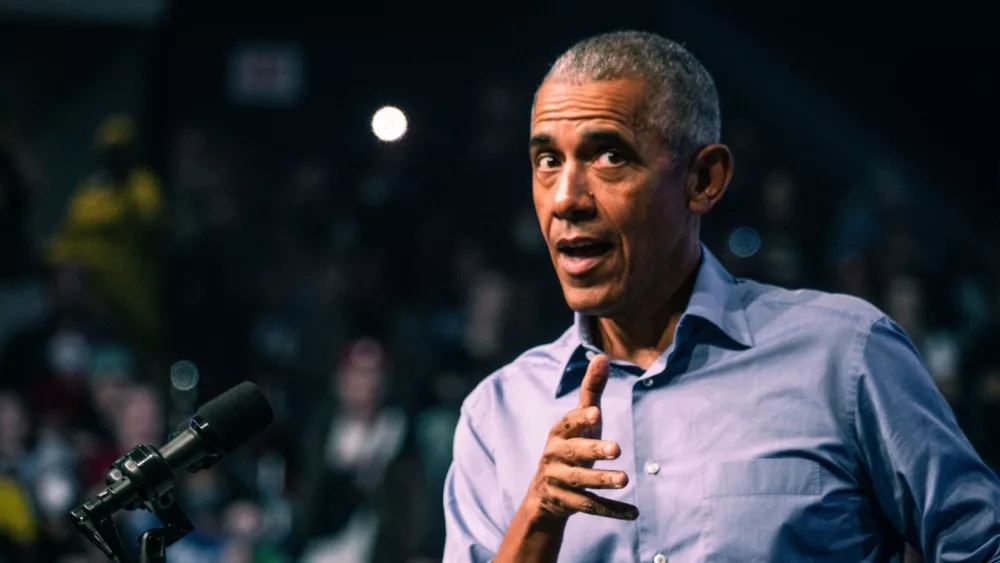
column 594, row 382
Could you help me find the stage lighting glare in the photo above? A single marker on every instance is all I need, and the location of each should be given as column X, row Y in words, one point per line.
column 389, row 124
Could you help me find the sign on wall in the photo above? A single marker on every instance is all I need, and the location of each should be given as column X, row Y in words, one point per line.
column 266, row 74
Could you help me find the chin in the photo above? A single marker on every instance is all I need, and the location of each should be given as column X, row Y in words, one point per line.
column 591, row 301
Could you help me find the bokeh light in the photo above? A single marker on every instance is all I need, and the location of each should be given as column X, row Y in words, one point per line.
column 184, row 375
column 389, row 124
column 744, row 242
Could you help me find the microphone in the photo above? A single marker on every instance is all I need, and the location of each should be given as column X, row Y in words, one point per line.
column 145, row 477
column 219, row 426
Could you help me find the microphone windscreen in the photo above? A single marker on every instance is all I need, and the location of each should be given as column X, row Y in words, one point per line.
column 237, row 415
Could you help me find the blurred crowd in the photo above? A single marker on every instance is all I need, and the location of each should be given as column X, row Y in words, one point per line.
column 366, row 303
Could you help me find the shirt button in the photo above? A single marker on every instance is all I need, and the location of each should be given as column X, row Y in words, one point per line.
column 590, row 354
column 652, row 468
column 647, row 382
column 659, row 558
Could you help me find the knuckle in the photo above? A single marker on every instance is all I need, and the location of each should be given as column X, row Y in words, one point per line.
column 567, row 423
column 590, row 507
column 573, row 479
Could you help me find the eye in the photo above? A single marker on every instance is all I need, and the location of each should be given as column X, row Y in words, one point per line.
column 546, row 161
column 611, row 157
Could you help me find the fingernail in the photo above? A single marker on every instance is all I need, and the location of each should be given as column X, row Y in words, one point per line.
column 609, row 449
column 632, row 513
column 592, row 413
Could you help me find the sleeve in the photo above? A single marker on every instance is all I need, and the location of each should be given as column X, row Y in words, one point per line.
column 926, row 477
column 472, row 497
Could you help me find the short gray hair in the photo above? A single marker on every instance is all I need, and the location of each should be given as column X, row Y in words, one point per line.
column 681, row 99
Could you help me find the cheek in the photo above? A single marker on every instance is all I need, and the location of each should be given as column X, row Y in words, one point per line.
column 542, row 212
column 629, row 213
column 648, row 223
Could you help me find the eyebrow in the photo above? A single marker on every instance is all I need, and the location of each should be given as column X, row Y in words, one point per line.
column 597, row 136
column 540, row 140
column 606, row 137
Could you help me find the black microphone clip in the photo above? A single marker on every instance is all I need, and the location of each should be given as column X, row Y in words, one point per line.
column 139, row 479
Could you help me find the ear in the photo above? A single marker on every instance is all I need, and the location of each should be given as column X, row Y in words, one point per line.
column 708, row 177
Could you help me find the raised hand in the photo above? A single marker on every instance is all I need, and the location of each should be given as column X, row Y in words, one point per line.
column 565, row 471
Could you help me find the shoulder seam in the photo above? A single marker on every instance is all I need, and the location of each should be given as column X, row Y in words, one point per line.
column 860, row 316
column 862, row 336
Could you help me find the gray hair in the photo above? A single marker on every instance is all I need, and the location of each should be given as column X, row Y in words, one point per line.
column 681, row 100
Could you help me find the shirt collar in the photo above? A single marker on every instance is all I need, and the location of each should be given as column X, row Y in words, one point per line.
column 714, row 299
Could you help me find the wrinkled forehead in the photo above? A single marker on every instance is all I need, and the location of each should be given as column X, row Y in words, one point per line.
column 606, row 103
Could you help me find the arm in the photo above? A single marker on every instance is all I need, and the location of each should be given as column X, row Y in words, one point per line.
column 925, row 475
column 472, row 499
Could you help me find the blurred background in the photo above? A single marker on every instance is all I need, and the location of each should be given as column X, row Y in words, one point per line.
column 202, row 183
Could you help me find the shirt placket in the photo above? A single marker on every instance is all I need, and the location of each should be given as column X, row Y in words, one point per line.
column 647, row 420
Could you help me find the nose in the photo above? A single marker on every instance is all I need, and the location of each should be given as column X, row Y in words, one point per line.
column 574, row 201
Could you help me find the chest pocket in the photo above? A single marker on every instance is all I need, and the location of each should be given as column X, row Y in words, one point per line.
column 761, row 477
column 758, row 508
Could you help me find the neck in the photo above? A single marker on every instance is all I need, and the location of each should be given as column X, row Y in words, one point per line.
column 641, row 333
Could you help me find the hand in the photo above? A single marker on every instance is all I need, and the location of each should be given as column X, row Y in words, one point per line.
column 565, row 471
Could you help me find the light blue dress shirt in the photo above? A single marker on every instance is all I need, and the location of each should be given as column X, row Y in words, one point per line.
column 783, row 426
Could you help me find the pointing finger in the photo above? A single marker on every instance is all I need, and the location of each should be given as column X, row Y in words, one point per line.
column 594, row 382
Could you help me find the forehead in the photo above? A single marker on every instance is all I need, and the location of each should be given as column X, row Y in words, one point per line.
column 562, row 108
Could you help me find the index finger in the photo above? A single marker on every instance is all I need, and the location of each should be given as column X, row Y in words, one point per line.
column 594, row 382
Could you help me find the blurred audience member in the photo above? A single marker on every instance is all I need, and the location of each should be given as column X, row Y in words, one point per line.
column 18, row 521
column 489, row 301
column 244, row 533
column 112, row 228
column 50, row 361
column 358, row 502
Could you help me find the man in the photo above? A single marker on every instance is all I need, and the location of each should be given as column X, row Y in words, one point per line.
column 697, row 417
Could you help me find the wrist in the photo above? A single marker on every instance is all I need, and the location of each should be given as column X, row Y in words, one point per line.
column 538, row 520
column 533, row 536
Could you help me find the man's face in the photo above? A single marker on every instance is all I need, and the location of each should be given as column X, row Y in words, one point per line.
column 610, row 200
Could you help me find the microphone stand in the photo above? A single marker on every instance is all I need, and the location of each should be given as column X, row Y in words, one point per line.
column 156, row 494
column 152, row 548
column 153, row 543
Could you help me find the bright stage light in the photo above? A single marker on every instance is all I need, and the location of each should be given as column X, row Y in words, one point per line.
column 389, row 124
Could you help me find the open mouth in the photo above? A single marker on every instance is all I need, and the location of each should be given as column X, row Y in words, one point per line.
column 588, row 249
column 580, row 256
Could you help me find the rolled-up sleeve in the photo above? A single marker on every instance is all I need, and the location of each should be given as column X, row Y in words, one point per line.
column 925, row 475
column 472, row 497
